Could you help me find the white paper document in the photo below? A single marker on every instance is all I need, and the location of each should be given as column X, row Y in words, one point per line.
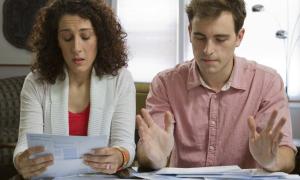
column 87, row 177
column 199, row 170
column 67, row 152
column 213, row 173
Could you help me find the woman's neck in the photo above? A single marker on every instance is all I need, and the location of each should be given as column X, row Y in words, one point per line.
column 79, row 79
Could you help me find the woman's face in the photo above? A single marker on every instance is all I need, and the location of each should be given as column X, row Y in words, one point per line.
column 78, row 43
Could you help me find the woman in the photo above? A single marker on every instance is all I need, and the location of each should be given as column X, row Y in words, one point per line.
column 78, row 85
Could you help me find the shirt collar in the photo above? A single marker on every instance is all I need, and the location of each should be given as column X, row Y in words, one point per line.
column 193, row 79
column 239, row 76
column 235, row 80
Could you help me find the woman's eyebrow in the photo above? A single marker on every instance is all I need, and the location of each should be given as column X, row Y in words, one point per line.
column 69, row 30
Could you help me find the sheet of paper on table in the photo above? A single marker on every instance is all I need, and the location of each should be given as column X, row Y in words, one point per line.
column 216, row 172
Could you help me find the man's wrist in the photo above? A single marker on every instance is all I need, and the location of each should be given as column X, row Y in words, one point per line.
column 162, row 162
column 272, row 166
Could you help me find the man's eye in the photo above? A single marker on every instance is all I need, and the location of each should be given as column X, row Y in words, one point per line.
column 221, row 40
column 200, row 38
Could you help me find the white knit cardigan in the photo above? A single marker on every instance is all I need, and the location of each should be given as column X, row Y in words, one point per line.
column 44, row 109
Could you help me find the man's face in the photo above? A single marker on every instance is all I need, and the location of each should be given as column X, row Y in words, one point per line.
column 213, row 42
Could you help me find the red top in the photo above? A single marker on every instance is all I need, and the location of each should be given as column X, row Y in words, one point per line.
column 78, row 122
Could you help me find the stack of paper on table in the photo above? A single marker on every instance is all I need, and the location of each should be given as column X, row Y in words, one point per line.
column 217, row 172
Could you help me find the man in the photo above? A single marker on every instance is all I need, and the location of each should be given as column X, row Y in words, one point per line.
column 217, row 109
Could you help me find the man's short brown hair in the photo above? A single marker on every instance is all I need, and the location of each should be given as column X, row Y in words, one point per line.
column 213, row 9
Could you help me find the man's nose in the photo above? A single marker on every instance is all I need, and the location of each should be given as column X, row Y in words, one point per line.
column 209, row 48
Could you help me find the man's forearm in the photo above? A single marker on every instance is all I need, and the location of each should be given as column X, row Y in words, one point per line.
column 285, row 160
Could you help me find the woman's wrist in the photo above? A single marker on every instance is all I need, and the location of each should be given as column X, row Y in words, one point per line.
column 125, row 157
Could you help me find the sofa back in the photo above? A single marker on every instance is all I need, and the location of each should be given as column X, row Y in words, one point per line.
column 142, row 90
column 10, row 89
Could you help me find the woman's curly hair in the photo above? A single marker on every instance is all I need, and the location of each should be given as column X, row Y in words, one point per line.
column 49, row 62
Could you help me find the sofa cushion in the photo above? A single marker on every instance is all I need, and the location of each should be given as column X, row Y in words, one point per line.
column 10, row 89
column 8, row 139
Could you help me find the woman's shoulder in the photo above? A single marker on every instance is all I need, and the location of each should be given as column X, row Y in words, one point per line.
column 124, row 72
column 34, row 79
column 122, row 75
column 123, row 80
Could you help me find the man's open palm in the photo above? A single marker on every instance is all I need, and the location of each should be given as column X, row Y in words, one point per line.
column 155, row 142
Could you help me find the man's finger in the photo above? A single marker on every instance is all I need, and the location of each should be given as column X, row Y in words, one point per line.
column 271, row 121
column 142, row 126
column 280, row 137
column 140, row 122
column 147, row 117
column 276, row 142
column 252, row 127
column 169, row 122
column 277, row 129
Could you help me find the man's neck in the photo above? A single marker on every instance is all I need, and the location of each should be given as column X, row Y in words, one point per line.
column 216, row 81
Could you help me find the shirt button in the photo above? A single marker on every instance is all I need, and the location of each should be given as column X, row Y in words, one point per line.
column 211, row 148
column 214, row 115
column 212, row 123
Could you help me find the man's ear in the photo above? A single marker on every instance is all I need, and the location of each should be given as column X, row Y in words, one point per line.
column 239, row 37
column 190, row 32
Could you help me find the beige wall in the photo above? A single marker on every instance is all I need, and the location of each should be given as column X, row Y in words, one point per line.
column 12, row 60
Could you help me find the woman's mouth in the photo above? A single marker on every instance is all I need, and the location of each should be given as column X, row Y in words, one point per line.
column 78, row 60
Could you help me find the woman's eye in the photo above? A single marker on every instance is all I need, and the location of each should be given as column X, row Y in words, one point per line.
column 85, row 37
column 67, row 39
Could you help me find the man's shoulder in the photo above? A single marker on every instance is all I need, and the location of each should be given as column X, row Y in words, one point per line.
column 180, row 70
column 254, row 66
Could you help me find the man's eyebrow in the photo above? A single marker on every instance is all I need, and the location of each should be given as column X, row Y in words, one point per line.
column 222, row 35
column 217, row 35
column 198, row 34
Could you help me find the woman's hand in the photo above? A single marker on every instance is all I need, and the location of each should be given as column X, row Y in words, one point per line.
column 106, row 160
column 32, row 167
